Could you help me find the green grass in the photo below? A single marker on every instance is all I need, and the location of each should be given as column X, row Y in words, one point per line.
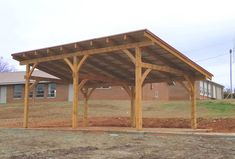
column 156, row 109
column 222, row 108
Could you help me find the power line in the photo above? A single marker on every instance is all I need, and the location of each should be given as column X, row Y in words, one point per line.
column 209, row 58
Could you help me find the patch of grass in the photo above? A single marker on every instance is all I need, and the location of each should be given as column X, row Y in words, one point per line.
column 158, row 109
column 221, row 108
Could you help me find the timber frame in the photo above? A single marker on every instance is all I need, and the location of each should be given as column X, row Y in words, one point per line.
column 128, row 60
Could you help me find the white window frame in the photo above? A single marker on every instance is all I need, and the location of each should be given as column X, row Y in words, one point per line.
column 36, row 90
column 49, row 91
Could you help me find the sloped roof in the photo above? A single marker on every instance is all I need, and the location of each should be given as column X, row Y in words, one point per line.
column 108, row 60
column 9, row 78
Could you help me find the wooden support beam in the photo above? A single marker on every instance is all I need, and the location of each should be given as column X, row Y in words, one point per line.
column 75, row 93
column 193, row 108
column 32, row 69
column 28, row 73
column 138, row 89
column 145, row 74
column 162, row 68
column 69, row 63
column 75, row 67
column 184, row 86
column 129, row 54
column 110, row 49
column 127, row 89
column 192, row 88
column 26, row 96
column 90, row 92
column 132, row 114
column 86, row 94
column 82, row 83
column 84, row 58
column 32, row 86
column 85, row 115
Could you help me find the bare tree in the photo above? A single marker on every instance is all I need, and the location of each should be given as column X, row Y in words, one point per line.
column 5, row 66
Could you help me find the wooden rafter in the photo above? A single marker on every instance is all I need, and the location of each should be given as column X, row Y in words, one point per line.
column 105, row 70
column 87, row 52
column 115, row 66
column 53, row 72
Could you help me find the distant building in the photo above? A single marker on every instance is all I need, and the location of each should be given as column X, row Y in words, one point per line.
column 12, row 90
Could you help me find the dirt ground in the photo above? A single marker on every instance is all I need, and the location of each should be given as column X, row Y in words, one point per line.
column 216, row 125
column 44, row 144
column 50, row 144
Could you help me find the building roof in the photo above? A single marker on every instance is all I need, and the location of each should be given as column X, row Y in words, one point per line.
column 9, row 78
column 108, row 59
column 220, row 85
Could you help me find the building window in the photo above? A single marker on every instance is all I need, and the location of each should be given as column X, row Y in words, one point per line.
column 151, row 86
column 18, row 91
column 209, row 90
column 205, row 89
column 156, row 94
column 104, row 87
column 40, row 90
column 51, row 90
column 201, row 88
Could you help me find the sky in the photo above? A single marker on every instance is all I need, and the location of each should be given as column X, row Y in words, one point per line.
column 203, row 30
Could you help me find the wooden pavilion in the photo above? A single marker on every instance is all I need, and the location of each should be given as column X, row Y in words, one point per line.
column 129, row 60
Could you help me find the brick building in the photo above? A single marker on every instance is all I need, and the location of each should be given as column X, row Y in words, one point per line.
column 12, row 90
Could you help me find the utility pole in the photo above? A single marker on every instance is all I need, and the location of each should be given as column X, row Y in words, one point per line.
column 231, row 74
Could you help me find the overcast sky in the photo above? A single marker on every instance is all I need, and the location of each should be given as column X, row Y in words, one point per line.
column 200, row 29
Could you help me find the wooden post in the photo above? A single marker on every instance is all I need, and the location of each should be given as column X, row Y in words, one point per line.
column 86, row 93
column 191, row 88
column 132, row 118
column 75, row 67
column 28, row 74
column 85, row 115
column 26, row 96
column 138, row 89
column 75, row 93
column 193, row 108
